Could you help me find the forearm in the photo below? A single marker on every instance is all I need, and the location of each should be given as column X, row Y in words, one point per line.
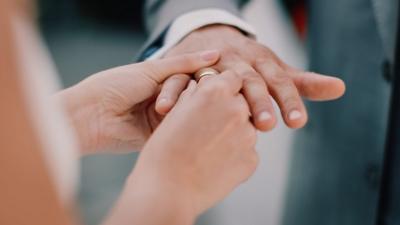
column 189, row 23
column 160, row 15
column 148, row 200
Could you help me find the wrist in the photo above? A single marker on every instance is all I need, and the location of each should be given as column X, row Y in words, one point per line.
column 146, row 194
column 80, row 116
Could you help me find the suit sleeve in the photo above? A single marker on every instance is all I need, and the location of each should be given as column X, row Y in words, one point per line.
column 159, row 15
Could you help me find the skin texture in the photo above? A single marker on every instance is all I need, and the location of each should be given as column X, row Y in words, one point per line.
column 201, row 151
column 264, row 75
column 114, row 109
column 204, row 146
column 210, row 151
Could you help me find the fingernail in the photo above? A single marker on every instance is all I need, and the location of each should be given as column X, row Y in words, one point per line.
column 264, row 116
column 209, row 55
column 294, row 115
column 163, row 101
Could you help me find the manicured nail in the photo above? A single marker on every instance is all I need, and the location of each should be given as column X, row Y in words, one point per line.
column 294, row 115
column 209, row 55
column 264, row 116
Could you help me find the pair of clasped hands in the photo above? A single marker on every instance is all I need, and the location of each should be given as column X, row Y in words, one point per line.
column 197, row 139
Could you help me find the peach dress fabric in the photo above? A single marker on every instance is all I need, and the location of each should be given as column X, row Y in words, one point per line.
column 40, row 81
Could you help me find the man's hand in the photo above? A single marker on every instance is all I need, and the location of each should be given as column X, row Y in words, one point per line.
column 264, row 75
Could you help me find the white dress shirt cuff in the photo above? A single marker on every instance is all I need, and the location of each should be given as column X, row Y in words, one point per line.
column 186, row 23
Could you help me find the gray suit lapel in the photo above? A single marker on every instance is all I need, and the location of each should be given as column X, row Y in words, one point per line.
column 385, row 12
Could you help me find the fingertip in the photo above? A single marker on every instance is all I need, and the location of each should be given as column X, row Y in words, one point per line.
column 341, row 86
column 265, row 121
column 296, row 119
column 336, row 89
column 319, row 87
column 163, row 106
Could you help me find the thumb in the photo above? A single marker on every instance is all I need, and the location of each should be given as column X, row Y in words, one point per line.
column 161, row 69
column 317, row 87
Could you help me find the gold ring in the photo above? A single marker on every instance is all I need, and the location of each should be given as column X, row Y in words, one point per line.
column 205, row 72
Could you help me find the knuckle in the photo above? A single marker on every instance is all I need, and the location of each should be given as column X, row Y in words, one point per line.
column 263, row 60
column 251, row 161
column 220, row 86
column 231, row 73
column 214, row 89
column 227, row 50
column 268, row 64
column 208, row 91
column 249, row 134
column 279, row 80
column 233, row 76
column 203, row 101
column 235, row 119
column 178, row 78
column 238, row 111
column 246, row 73
column 233, row 113
column 257, row 103
column 250, row 77
column 291, row 103
column 188, row 61
column 252, row 137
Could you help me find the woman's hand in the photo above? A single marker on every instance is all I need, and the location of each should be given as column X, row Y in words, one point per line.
column 114, row 109
column 201, row 151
